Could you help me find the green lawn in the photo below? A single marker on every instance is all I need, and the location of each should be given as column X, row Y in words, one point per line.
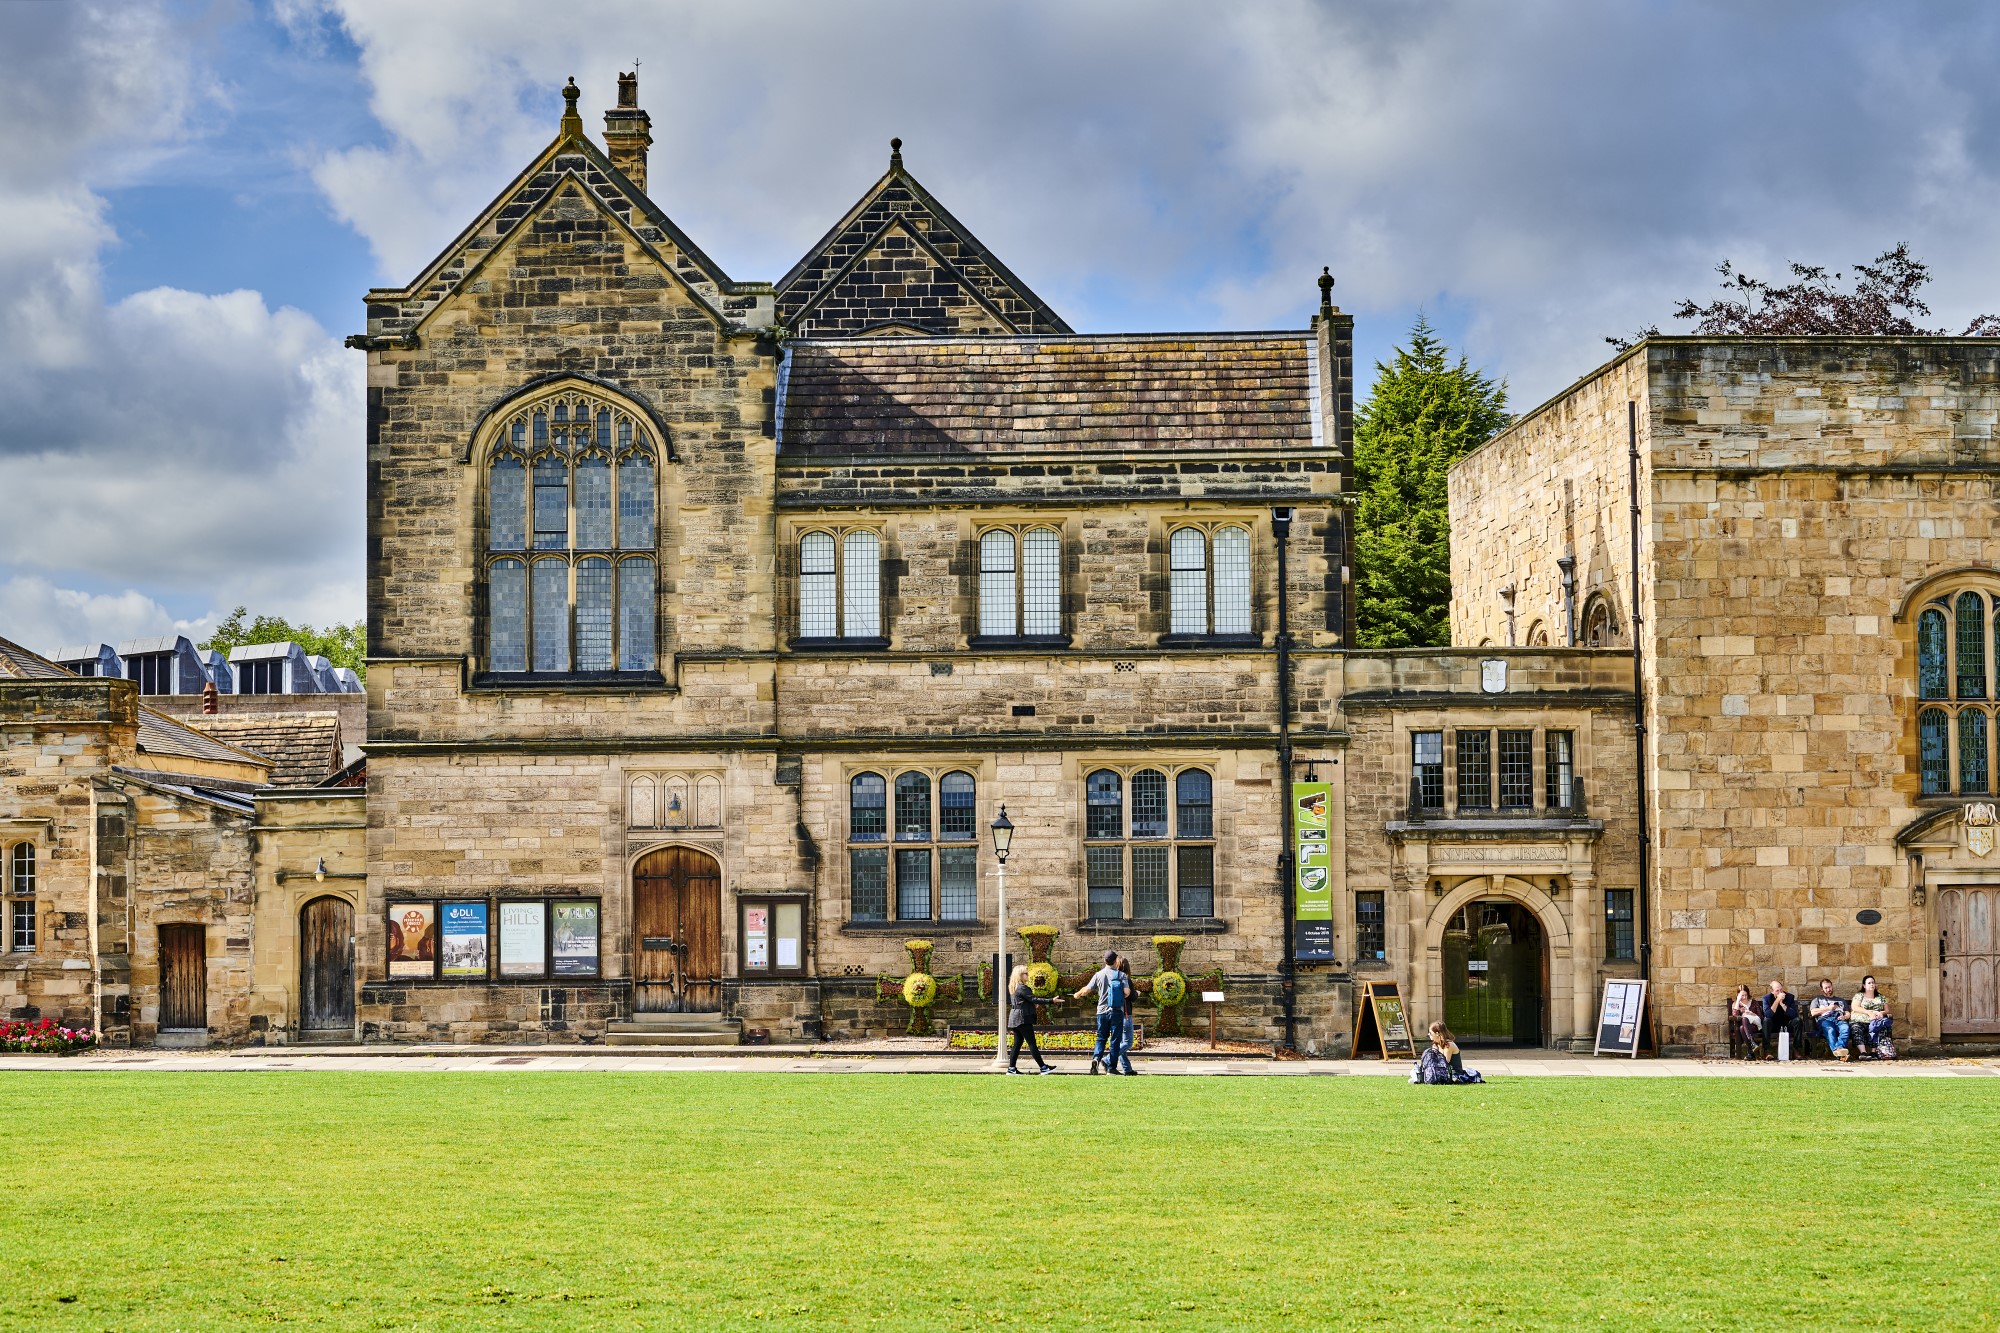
column 661, row 1200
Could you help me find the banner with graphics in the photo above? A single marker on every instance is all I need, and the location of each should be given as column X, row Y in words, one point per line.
column 1312, row 893
column 465, row 939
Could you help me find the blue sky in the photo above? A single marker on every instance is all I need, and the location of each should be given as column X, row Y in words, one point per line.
column 193, row 197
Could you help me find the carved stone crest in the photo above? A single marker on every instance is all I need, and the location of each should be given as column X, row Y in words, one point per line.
column 1979, row 820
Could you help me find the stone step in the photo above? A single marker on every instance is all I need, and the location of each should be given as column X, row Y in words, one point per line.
column 628, row 1034
column 692, row 1019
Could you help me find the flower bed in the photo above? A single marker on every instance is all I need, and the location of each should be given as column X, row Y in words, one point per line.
column 44, row 1036
column 973, row 1039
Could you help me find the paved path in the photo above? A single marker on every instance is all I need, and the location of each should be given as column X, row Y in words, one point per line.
column 819, row 1060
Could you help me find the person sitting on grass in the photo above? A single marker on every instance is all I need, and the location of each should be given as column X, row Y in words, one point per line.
column 1872, row 1028
column 1748, row 1020
column 1021, row 1021
column 1440, row 1062
column 1781, row 1011
column 1829, row 1012
column 1108, row 984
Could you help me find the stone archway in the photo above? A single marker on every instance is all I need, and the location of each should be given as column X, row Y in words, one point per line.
column 1564, row 1022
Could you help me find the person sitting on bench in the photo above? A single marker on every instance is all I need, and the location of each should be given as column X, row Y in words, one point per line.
column 1748, row 1021
column 1781, row 1011
column 1829, row 1012
column 1872, row 1028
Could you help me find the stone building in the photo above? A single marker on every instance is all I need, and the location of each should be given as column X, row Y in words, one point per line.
column 1817, row 584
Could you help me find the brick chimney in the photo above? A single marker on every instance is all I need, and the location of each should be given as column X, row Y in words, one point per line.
column 628, row 131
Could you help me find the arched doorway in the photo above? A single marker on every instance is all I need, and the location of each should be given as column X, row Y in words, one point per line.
column 677, row 932
column 1496, row 981
column 326, row 966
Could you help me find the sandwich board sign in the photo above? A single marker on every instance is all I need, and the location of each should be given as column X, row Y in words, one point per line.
column 1381, row 1025
column 1621, row 1024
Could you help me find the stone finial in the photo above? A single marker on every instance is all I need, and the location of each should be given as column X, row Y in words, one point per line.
column 628, row 89
column 895, row 154
column 572, row 123
column 1326, row 285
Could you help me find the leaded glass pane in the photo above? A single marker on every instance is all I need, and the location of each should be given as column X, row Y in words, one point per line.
column 958, row 820
column 1974, row 776
column 913, row 884
column 1104, row 872
column 958, row 883
column 551, row 615
column 868, row 884
column 593, row 503
column 551, row 504
column 541, row 429
column 1971, row 646
column 913, row 807
column 635, row 615
column 1187, row 594
column 1197, row 872
column 1933, row 747
column 1427, row 768
column 507, row 505
column 1104, row 815
column 996, row 584
column 1370, row 926
column 635, row 503
column 23, row 933
column 1931, row 683
column 1517, row 770
column 604, row 429
column 1149, row 804
column 593, row 614
column 1041, row 582
column 1195, row 795
column 1232, row 581
column 1149, row 882
column 507, row 616
column 1475, row 770
column 23, row 883
column 1560, row 769
column 816, row 596
column 867, row 808
column 861, row 568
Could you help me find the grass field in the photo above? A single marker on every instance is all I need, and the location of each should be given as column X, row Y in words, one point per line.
column 618, row 1201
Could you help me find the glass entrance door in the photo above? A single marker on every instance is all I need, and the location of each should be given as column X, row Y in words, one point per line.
column 1494, row 975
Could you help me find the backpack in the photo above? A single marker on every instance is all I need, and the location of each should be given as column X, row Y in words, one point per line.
column 1114, row 992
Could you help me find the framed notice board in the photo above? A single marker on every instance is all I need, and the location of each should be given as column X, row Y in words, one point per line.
column 1381, row 1024
column 1621, row 1023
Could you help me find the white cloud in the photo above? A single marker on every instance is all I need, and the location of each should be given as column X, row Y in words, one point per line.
column 46, row 618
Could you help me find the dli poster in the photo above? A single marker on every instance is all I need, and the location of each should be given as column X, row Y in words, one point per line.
column 465, row 939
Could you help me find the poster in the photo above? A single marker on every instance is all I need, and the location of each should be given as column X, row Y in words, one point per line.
column 575, row 939
column 757, row 937
column 465, row 939
column 790, row 918
column 1312, row 894
column 412, row 942
column 523, row 935
column 1620, row 1021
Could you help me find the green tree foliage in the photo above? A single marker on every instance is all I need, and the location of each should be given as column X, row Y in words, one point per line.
column 1425, row 414
column 342, row 645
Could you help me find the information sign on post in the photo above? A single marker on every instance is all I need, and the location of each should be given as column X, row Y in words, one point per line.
column 1380, row 1024
column 1621, row 1024
column 1312, row 890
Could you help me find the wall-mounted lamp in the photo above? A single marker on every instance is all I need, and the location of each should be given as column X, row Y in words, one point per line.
column 319, row 871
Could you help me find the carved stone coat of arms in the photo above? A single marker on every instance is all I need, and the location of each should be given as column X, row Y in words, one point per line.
column 1979, row 822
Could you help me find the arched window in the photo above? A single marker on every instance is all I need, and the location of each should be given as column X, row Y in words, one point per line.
column 1955, row 682
column 840, row 585
column 1020, row 583
column 21, row 898
column 1187, row 581
column 1599, row 630
column 997, row 602
column 933, row 873
column 1135, row 865
column 571, row 496
column 1538, row 635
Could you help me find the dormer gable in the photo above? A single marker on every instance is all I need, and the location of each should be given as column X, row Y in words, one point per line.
column 900, row 261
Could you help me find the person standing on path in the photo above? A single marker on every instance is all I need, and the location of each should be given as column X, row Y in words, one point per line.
column 1109, row 985
column 1021, row 1022
column 1125, row 1029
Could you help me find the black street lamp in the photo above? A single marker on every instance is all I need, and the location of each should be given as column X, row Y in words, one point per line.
column 1003, row 841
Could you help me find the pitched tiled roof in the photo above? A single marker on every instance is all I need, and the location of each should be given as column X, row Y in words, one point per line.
column 981, row 395
column 304, row 748
column 158, row 733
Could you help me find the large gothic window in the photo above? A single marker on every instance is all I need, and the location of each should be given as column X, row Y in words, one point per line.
column 1956, row 655
column 571, row 536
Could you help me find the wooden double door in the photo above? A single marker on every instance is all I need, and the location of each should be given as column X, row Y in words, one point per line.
column 1969, row 949
column 677, row 932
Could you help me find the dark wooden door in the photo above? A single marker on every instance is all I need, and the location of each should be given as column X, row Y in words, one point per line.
column 677, row 932
column 183, row 977
column 326, row 966
column 1970, row 954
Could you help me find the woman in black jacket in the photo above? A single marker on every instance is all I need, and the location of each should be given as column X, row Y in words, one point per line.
column 1021, row 1022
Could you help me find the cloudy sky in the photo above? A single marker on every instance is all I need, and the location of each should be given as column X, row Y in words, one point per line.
column 193, row 197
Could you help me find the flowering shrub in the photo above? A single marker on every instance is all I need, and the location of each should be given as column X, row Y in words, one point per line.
column 44, row 1035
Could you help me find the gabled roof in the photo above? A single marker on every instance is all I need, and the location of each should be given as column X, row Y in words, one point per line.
column 304, row 748
column 1103, row 392
column 899, row 204
column 397, row 312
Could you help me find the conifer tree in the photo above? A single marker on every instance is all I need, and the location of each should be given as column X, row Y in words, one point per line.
column 1425, row 414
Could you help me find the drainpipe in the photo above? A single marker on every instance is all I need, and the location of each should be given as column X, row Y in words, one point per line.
column 1281, row 528
column 1567, row 564
column 1507, row 595
column 1637, row 618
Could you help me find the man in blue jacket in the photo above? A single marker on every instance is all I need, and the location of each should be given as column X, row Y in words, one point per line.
column 1781, row 1012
